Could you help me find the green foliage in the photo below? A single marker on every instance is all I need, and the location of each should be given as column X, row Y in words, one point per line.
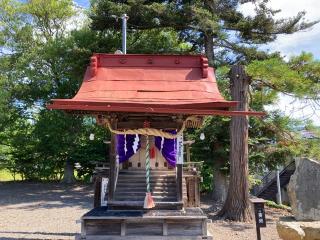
column 156, row 41
column 212, row 150
column 297, row 77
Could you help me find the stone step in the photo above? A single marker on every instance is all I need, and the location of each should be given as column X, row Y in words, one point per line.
column 156, row 193
column 143, row 181
column 141, row 198
column 139, row 205
column 144, row 176
column 143, row 171
column 142, row 189
column 143, row 184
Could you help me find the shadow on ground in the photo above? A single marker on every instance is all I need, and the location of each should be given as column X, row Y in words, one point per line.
column 45, row 195
column 34, row 235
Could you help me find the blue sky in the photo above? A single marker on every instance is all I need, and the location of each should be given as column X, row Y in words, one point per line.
column 83, row 3
column 289, row 45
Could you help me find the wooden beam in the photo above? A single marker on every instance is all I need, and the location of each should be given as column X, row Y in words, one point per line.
column 153, row 124
column 166, row 110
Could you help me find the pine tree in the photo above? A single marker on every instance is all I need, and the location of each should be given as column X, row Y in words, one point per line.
column 216, row 26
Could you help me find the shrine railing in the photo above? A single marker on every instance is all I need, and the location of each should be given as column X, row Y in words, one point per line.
column 192, row 167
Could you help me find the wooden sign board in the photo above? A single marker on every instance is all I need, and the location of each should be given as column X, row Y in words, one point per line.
column 104, row 190
column 260, row 215
column 180, row 149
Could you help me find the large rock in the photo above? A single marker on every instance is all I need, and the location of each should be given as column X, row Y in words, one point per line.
column 311, row 230
column 290, row 229
column 304, row 190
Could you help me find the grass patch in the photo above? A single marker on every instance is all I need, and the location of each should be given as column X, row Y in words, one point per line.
column 279, row 206
column 5, row 176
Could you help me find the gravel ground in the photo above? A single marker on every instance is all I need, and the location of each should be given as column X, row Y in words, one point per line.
column 228, row 230
column 42, row 210
column 50, row 211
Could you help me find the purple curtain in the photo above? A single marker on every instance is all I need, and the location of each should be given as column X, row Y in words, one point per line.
column 168, row 148
column 127, row 146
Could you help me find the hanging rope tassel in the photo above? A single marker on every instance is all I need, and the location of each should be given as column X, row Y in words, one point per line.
column 148, row 200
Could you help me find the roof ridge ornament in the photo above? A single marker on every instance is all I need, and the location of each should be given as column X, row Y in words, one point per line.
column 204, row 65
column 93, row 65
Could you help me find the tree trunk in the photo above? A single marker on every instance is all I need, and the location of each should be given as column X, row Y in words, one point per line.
column 237, row 205
column 208, row 46
column 220, row 182
column 68, row 176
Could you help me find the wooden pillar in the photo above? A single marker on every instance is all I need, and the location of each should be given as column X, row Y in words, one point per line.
column 179, row 167
column 179, row 182
column 112, row 174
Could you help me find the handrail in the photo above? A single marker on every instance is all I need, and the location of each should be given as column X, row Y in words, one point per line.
column 191, row 166
column 270, row 177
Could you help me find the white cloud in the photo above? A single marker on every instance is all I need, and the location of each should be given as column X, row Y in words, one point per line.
column 298, row 109
column 79, row 20
column 294, row 44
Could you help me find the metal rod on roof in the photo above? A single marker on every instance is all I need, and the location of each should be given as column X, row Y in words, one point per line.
column 124, row 33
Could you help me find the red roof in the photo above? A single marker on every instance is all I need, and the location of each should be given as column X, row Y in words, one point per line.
column 147, row 83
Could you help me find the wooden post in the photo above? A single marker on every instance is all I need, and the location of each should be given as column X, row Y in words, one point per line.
column 165, row 228
column 197, row 191
column 112, row 173
column 83, row 229
column 179, row 181
column 188, row 152
column 97, row 192
column 123, row 228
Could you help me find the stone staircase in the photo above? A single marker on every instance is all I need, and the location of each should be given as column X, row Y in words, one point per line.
column 131, row 189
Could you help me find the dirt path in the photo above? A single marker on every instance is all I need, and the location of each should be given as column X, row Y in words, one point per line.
column 49, row 211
